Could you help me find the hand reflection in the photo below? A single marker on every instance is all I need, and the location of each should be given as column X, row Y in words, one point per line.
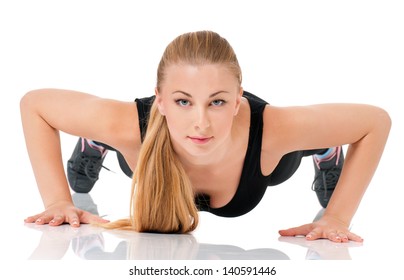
column 322, row 249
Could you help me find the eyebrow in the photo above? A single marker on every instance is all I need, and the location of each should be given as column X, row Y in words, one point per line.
column 210, row 96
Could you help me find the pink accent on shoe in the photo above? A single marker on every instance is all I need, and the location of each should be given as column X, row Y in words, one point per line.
column 317, row 162
column 336, row 153
column 83, row 146
column 94, row 146
column 104, row 153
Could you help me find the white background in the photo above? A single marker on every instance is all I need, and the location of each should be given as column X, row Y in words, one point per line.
column 291, row 53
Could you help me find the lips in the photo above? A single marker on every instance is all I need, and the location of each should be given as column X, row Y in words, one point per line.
column 200, row 139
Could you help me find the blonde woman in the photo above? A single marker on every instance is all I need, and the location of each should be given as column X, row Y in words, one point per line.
column 201, row 143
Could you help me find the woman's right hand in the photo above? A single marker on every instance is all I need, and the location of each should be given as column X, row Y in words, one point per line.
column 64, row 213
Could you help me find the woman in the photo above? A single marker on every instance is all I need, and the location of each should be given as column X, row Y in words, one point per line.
column 209, row 146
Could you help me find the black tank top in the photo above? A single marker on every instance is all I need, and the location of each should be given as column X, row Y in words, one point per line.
column 252, row 184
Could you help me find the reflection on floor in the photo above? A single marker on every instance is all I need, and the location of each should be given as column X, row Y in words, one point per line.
column 90, row 242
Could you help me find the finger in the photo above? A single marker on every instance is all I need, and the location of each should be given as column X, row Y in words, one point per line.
column 89, row 218
column 354, row 237
column 314, row 235
column 302, row 230
column 43, row 219
column 335, row 237
column 31, row 219
column 74, row 220
column 57, row 220
column 101, row 220
column 344, row 237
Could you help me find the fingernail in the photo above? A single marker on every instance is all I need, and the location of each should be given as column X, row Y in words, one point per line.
column 75, row 223
column 38, row 220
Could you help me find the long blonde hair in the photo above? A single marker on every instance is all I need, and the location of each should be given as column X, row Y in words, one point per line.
column 162, row 198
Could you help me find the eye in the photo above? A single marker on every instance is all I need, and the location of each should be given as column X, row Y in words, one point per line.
column 218, row 102
column 182, row 102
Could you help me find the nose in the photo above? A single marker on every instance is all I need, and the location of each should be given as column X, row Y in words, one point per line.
column 202, row 121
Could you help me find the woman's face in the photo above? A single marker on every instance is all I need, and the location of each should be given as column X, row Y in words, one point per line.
column 199, row 103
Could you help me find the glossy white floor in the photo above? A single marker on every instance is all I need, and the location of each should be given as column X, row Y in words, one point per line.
column 253, row 236
column 311, row 52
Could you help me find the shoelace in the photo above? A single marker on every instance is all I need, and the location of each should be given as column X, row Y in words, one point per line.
column 330, row 178
column 90, row 166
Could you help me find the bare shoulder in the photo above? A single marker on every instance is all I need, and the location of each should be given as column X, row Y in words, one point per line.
column 293, row 128
column 121, row 123
column 109, row 121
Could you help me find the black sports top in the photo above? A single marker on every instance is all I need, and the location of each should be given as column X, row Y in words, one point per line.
column 252, row 184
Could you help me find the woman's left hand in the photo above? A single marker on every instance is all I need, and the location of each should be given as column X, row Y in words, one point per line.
column 327, row 227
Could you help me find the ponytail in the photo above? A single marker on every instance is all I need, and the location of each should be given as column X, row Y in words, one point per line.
column 162, row 199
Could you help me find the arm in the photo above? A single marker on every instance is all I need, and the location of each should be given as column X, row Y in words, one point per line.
column 46, row 112
column 365, row 128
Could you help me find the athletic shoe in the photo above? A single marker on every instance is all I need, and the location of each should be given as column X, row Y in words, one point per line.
column 326, row 176
column 84, row 166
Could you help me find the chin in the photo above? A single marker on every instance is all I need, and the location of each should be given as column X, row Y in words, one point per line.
column 200, row 152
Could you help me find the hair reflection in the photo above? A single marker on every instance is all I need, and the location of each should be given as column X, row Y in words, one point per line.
column 88, row 242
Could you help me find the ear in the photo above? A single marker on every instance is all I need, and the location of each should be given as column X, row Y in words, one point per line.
column 238, row 100
column 159, row 102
